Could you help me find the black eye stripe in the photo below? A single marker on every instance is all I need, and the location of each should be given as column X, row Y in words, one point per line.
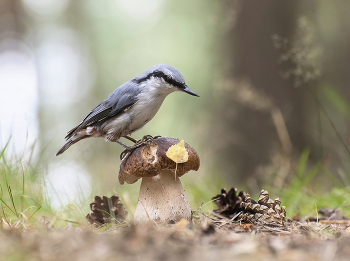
column 162, row 75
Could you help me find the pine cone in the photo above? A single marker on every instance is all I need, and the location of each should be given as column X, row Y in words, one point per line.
column 264, row 212
column 228, row 203
column 106, row 210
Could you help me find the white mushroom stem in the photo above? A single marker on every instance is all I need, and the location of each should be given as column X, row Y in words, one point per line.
column 162, row 199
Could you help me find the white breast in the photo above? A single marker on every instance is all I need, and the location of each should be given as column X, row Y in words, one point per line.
column 149, row 102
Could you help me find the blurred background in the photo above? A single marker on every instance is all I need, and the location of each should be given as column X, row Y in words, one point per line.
column 273, row 79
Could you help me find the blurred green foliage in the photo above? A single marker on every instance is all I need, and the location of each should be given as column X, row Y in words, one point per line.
column 307, row 189
column 221, row 48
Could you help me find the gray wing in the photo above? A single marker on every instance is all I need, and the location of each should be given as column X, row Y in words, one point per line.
column 120, row 99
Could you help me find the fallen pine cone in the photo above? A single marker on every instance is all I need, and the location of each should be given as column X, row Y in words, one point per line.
column 228, row 202
column 243, row 208
column 106, row 210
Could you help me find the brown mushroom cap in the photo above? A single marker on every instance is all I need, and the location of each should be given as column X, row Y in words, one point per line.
column 149, row 160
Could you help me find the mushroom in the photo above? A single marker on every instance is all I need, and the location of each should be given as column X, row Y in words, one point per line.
column 161, row 198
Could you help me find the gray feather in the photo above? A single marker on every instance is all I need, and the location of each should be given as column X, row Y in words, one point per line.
column 120, row 99
column 69, row 143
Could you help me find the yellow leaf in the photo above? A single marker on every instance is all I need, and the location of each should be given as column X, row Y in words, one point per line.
column 178, row 153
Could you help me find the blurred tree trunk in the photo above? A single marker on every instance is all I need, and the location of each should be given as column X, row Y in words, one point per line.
column 250, row 56
column 10, row 13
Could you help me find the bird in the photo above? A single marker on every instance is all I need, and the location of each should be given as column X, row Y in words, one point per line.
column 129, row 107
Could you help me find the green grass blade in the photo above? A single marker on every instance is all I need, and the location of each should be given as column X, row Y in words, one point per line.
column 7, row 206
column 10, row 193
column 13, row 203
column 302, row 162
column 34, row 212
column 3, row 151
column 337, row 99
column 22, row 180
column 344, row 177
column 23, row 187
column 32, row 149
column 38, row 205
column 332, row 177
column 311, row 174
column 24, row 196
column 3, row 212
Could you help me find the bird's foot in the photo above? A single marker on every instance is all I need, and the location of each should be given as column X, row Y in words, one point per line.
column 130, row 138
column 145, row 139
column 130, row 149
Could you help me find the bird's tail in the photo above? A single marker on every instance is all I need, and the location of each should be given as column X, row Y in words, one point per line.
column 70, row 142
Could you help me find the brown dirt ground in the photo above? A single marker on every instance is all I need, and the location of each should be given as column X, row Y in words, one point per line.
column 220, row 241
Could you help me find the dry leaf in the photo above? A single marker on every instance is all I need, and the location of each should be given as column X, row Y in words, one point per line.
column 178, row 153
column 182, row 224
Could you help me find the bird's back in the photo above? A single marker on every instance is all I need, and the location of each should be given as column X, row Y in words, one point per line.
column 120, row 99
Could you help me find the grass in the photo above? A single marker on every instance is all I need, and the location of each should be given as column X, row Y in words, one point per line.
column 306, row 190
column 18, row 205
column 23, row 195
column 64, row 235
column 24, row 200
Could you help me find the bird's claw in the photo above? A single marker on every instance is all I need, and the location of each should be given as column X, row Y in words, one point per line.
column 125, row 157
column 145, row 139
column 128, row 151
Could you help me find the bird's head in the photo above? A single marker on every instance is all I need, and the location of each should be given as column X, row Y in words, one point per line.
column 169, row 75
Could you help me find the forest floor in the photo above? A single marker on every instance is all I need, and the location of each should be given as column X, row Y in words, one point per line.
column 181, row 241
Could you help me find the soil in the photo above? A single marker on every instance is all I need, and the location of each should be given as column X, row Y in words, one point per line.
column 182, row 241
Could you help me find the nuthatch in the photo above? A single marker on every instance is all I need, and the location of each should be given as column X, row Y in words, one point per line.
column 129, row 107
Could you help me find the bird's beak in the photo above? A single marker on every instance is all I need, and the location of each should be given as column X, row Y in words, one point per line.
column 189, row 91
